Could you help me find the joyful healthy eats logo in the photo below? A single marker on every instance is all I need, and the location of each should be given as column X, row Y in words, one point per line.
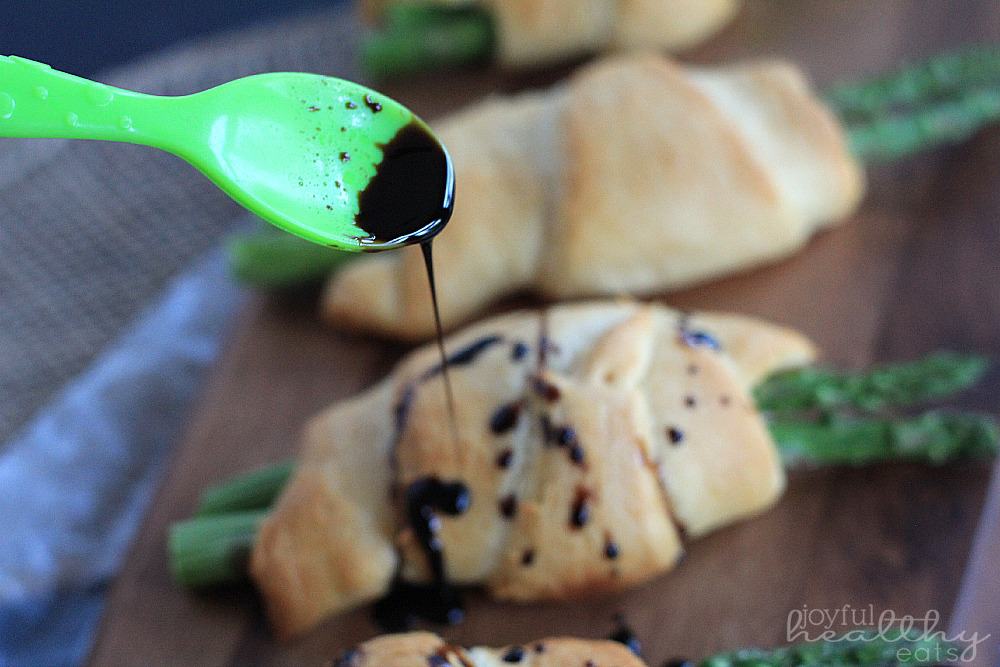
column 921, row 641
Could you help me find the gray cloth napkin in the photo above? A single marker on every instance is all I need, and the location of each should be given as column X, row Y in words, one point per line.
column 75, row 483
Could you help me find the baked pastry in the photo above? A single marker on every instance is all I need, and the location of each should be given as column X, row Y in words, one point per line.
column 636, row 176
column 592, row 438
column 419, row 649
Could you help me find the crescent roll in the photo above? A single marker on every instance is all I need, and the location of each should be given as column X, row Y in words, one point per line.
column 531, row 32
column 636, row 176
column 592, row 440
column 419, row 649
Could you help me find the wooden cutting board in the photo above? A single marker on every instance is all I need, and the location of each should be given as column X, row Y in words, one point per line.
column 915, row 270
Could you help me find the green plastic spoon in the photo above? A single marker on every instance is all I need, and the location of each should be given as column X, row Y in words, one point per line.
column 299, row 150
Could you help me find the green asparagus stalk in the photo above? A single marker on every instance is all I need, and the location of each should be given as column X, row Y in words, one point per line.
column 255, row 490
column 934, row 437
column 212, row 550
column 418, row 38
column 921, row 84
column 860, row 648
column 933, row 377
column 942, row 123
column 274, row 260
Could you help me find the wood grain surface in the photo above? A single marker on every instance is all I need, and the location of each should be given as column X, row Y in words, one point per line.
column 915, row 270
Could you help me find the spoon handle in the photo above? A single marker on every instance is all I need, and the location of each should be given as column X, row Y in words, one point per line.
column 37, row 101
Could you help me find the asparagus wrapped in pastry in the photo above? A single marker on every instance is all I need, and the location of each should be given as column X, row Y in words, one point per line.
column 861, row 649
column 422, row 34
column 639, row 175
column 424, row 648
column 592, row 440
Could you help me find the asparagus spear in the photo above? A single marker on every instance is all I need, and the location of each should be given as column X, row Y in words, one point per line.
column 935, row 376
column 947, row 122
column 255, row 490
column 212, row 550
column 275, row 260
column 918, row 85
column 934, row 437
column 859, row 649
column 418, row 38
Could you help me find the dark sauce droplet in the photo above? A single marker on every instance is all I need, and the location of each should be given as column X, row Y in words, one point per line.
column 539, row 647
column 528, row 557
column 514, row 654
column 508, row 506
column 700, row 339
column 345, row 156
column 349, row 658
column 611, row 548
column 350, row 105
column 437, row 601
column 623, row 635
column 545, row 389
column 675, row 435
column 505, row 458
column 564, row 436
column 505, row 418
column 519, row 351
column 690, row 401
column 372, row 104
column 580, row 512
column 464, row 356
column 576, row 454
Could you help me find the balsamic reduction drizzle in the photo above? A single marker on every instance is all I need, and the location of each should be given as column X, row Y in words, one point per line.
column 409, row 200
column 696, row 337
column 427, row 249
column 349, row 658
column 580, row 512
column 505, row 458
column 545, row 389
column 514, row 654
column 411, row 196
column 505, row 418
column 623, row 635
column 465, row 356
column 437, row 601
column 508, row 506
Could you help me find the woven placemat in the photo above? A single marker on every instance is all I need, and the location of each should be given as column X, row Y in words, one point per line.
column 90, row 231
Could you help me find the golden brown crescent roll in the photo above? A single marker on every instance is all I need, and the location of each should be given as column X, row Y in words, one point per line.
column 531, row 32
column 420, row 649
column 636, row 176
column 593, row 437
